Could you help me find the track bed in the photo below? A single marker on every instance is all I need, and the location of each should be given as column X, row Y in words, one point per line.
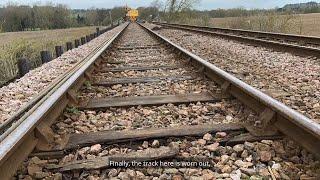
column 144, row 103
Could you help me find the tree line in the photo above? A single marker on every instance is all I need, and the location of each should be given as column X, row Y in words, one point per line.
column 50, row 16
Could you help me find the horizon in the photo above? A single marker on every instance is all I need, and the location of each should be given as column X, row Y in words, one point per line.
column 204, row 5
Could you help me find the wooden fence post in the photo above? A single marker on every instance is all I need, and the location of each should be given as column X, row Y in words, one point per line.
column 98, row 31
column 69, row 46
column 87, row 38
column 23, row 66
column 83, row 40
column 46, row 56
column 76, row 43
column 59, row 51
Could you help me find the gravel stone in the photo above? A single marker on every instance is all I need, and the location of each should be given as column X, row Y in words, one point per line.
column 224, row 159
column 212, row 147
column 140, row 175
column 226, row 169
column 164, row 177
column 124, row 176
column 57, row 176
column 242, row 164
column 171, row 171
column 113, row 173
column 145, row 144
column 248, row 171
column 264, row 172
column 236, row 175
column 265, row 156
column 95, row 149
column 207, row 137
column 221, row 134
column 244, row 154
column 238, row 148
column 177, row 177
column 155, row 144
column 248, row 146
column 33, row 169
column 201, row 142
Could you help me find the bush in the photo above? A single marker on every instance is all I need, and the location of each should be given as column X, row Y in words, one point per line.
column 270, row 22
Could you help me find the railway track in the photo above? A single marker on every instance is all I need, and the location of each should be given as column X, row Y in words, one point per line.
column 142, row 98
column 296, row 44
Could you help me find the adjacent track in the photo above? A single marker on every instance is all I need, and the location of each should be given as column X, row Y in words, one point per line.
column 138, row 87
column 296, row 44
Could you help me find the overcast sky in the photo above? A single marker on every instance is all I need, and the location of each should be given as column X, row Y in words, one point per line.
column 205, row 4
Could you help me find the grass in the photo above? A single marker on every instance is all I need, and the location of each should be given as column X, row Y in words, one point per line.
column 304, row 24
column 14, row 45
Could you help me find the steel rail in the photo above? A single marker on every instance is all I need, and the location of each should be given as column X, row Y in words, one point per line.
column 259, row 34
column 276, row 45
column 288, row 121
column 11, row 143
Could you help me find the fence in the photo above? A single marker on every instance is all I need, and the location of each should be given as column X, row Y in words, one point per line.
column 24, row 65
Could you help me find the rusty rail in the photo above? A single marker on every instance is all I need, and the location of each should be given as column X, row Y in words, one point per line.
column 259, row 38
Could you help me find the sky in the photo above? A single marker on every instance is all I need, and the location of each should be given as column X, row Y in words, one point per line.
column 205, row 4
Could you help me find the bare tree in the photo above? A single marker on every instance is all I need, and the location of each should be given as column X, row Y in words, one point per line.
column 92, row 16
column 181, row 5
column 177, row 6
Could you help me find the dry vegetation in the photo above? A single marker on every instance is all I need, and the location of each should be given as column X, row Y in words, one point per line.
column 28, row 44
column 305, row 24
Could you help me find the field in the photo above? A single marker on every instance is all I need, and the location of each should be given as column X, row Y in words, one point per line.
column 305, row 24
column 28, row 44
